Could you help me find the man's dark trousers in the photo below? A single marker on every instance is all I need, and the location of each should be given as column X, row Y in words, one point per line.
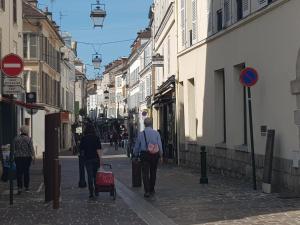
column 92, row 166
column 23, row 166
column 149, row 168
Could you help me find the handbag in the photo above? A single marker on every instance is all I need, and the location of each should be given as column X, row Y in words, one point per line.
column 151, row 148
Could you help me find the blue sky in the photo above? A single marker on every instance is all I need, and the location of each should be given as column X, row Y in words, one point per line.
column 124, row 19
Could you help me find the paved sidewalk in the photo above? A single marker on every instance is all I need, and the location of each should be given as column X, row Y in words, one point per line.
column 180, row 199
column 75, row 208
column 223, row 201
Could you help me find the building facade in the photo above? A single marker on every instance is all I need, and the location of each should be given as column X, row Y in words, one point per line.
column 216, row 41
column 80, row 90
column 42, row 46
column 69, row 54
column 164, row 33
column 10, row 42
column 136, row 89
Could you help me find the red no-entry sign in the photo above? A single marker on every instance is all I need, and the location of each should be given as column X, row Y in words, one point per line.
column 12, row 65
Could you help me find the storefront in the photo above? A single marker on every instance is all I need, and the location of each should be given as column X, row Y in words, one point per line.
column 165, row 105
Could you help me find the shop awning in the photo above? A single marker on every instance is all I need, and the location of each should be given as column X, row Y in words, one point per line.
column 23, row 104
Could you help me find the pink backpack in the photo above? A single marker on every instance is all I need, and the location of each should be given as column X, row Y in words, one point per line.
column 152, row 148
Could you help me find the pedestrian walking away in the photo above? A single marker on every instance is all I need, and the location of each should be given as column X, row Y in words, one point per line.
column 149, row 148
column 116, row 139
column 90, row 146
column 23, row 154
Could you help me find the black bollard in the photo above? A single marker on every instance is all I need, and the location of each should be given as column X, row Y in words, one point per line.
column 82, row 182
column 203, row 179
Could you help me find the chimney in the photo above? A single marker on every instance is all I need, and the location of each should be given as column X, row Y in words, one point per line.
column 33, row 3
column 48, row 14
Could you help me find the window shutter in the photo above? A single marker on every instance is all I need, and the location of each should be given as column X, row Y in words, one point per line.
column 262, row 3
column 227, row 13
column 182, row 13
column 194, row 21
column 246, row 8
column 209, row 18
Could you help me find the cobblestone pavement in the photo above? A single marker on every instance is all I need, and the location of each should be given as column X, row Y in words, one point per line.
column 29, row 208
column 179, row 196
column 223, row 201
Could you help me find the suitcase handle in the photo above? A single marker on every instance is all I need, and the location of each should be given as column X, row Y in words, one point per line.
column 108, row 165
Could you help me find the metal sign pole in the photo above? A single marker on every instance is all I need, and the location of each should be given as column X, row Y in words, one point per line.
column 31, row 123
column 251, row 139
column 11, row 158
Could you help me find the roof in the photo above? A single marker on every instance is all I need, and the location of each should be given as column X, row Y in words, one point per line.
column 31, row 12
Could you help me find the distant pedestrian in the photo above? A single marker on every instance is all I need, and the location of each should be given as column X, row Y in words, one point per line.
column 149, row 147
column 90, row 146
column 116, row 139
column 23, row 154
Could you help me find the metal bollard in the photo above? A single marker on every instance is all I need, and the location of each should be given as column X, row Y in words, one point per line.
column 56, row 182
column 203, row 179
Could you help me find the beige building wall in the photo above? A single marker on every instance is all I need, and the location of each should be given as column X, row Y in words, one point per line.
column 267, row 41
column 11, row 31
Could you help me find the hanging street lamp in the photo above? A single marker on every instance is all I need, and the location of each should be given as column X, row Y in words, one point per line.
column 106, row 94
column 97, row 60
column 98, row 14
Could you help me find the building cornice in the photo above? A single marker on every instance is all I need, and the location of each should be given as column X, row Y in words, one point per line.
column 164, row 21
column 253, row 16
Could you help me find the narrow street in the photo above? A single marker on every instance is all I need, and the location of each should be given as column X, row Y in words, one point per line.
column 179, row 199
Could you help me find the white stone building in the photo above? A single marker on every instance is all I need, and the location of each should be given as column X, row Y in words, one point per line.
column 164, row 34
column 11, row 27
column 67, row 92
column 216, row 40
column 135, row 63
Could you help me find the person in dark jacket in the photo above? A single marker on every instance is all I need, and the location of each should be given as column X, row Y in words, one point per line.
column 90, row 146
column 24, row 154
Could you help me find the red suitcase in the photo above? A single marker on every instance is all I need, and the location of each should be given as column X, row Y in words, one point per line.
column 105, row 182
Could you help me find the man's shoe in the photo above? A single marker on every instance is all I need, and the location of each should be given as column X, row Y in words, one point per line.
column 147, row 195
column 152, row 192
column 26, row 189
column 91, row 196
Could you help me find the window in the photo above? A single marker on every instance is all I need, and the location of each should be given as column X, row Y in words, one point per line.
column 194, row 21
column 30, row 46
column 227, row 13
column 219, row 20
column 2, row 5
column 30, row 81
column 239, row 8
column 246, row 7
column 15, row 11
column 182, row 14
